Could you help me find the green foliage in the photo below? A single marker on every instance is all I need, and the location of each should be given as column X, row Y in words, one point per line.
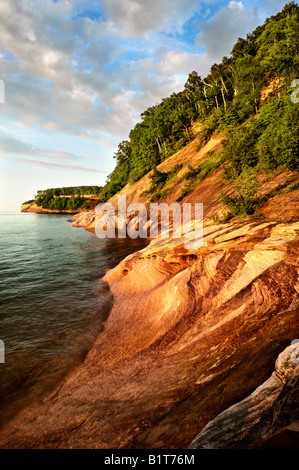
column 278, row 145
column 227, row 99
column 268, row 141
column 278, row 46
column 160, row 194
column 260, row 134
column 240, row 150
column 158, row 178
column 29, row 202
column 246, row 200
column 186, row 190
column 212, row 162
column 68, row 198
column 71, row 191
column 59, row 203
column 161, row 179
column 163, row 130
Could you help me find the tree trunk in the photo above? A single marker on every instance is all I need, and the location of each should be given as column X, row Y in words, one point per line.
column 224, row 101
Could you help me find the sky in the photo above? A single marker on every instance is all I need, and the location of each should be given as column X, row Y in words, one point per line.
column 78, row 74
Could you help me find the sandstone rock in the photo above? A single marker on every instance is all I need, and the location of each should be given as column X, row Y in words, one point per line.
column 190, row 334
column 83, row 219
column 34, row 208
column 270, row 408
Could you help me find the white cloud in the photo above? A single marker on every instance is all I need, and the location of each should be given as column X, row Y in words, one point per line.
column 184, row 62
column 92, row 79
column 52, row 165
column 62, row 78
column 221, row 31
column 17, row 150
column 137, row 17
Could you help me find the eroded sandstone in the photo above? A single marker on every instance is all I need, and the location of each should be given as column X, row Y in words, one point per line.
column 191, row 333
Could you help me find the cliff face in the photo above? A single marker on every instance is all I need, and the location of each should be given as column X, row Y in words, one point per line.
column 190, row 334
column 34, row 208
column 207, row 191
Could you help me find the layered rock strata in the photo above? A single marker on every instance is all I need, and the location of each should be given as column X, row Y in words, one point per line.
column 190, row 333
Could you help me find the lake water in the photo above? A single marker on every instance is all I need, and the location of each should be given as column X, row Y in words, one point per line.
column 52, row 300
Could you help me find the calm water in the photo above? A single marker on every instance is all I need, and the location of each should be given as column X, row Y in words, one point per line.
column 53, row 302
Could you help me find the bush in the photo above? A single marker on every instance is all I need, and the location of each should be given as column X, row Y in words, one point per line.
column 240, row 151
column 186, row 190
column 29, row 202
column 247, row 199
column 279, row 143
column 136, row 174
column 159, row 195
column 212, row 162
column 268, row 141
column 161, row 179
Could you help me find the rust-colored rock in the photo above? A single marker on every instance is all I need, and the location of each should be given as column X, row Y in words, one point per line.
column 190, row 334
column 35, row 209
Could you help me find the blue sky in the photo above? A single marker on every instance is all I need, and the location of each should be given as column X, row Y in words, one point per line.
column 78, row 73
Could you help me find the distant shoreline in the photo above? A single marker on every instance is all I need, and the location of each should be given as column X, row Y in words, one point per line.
column 35, row 209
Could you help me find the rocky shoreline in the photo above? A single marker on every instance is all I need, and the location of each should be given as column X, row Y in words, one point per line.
column 190, row 334
column 35, row 209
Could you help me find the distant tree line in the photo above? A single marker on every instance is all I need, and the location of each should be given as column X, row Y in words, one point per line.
column 247, row 96
column 68, row 198
column 71, row 191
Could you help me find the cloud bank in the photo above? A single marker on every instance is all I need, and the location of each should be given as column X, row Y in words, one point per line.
column 88, row 68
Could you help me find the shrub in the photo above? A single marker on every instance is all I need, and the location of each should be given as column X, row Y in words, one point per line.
column 247, row 200
column 29, row 202
column 279, row 143
column 161, row 179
